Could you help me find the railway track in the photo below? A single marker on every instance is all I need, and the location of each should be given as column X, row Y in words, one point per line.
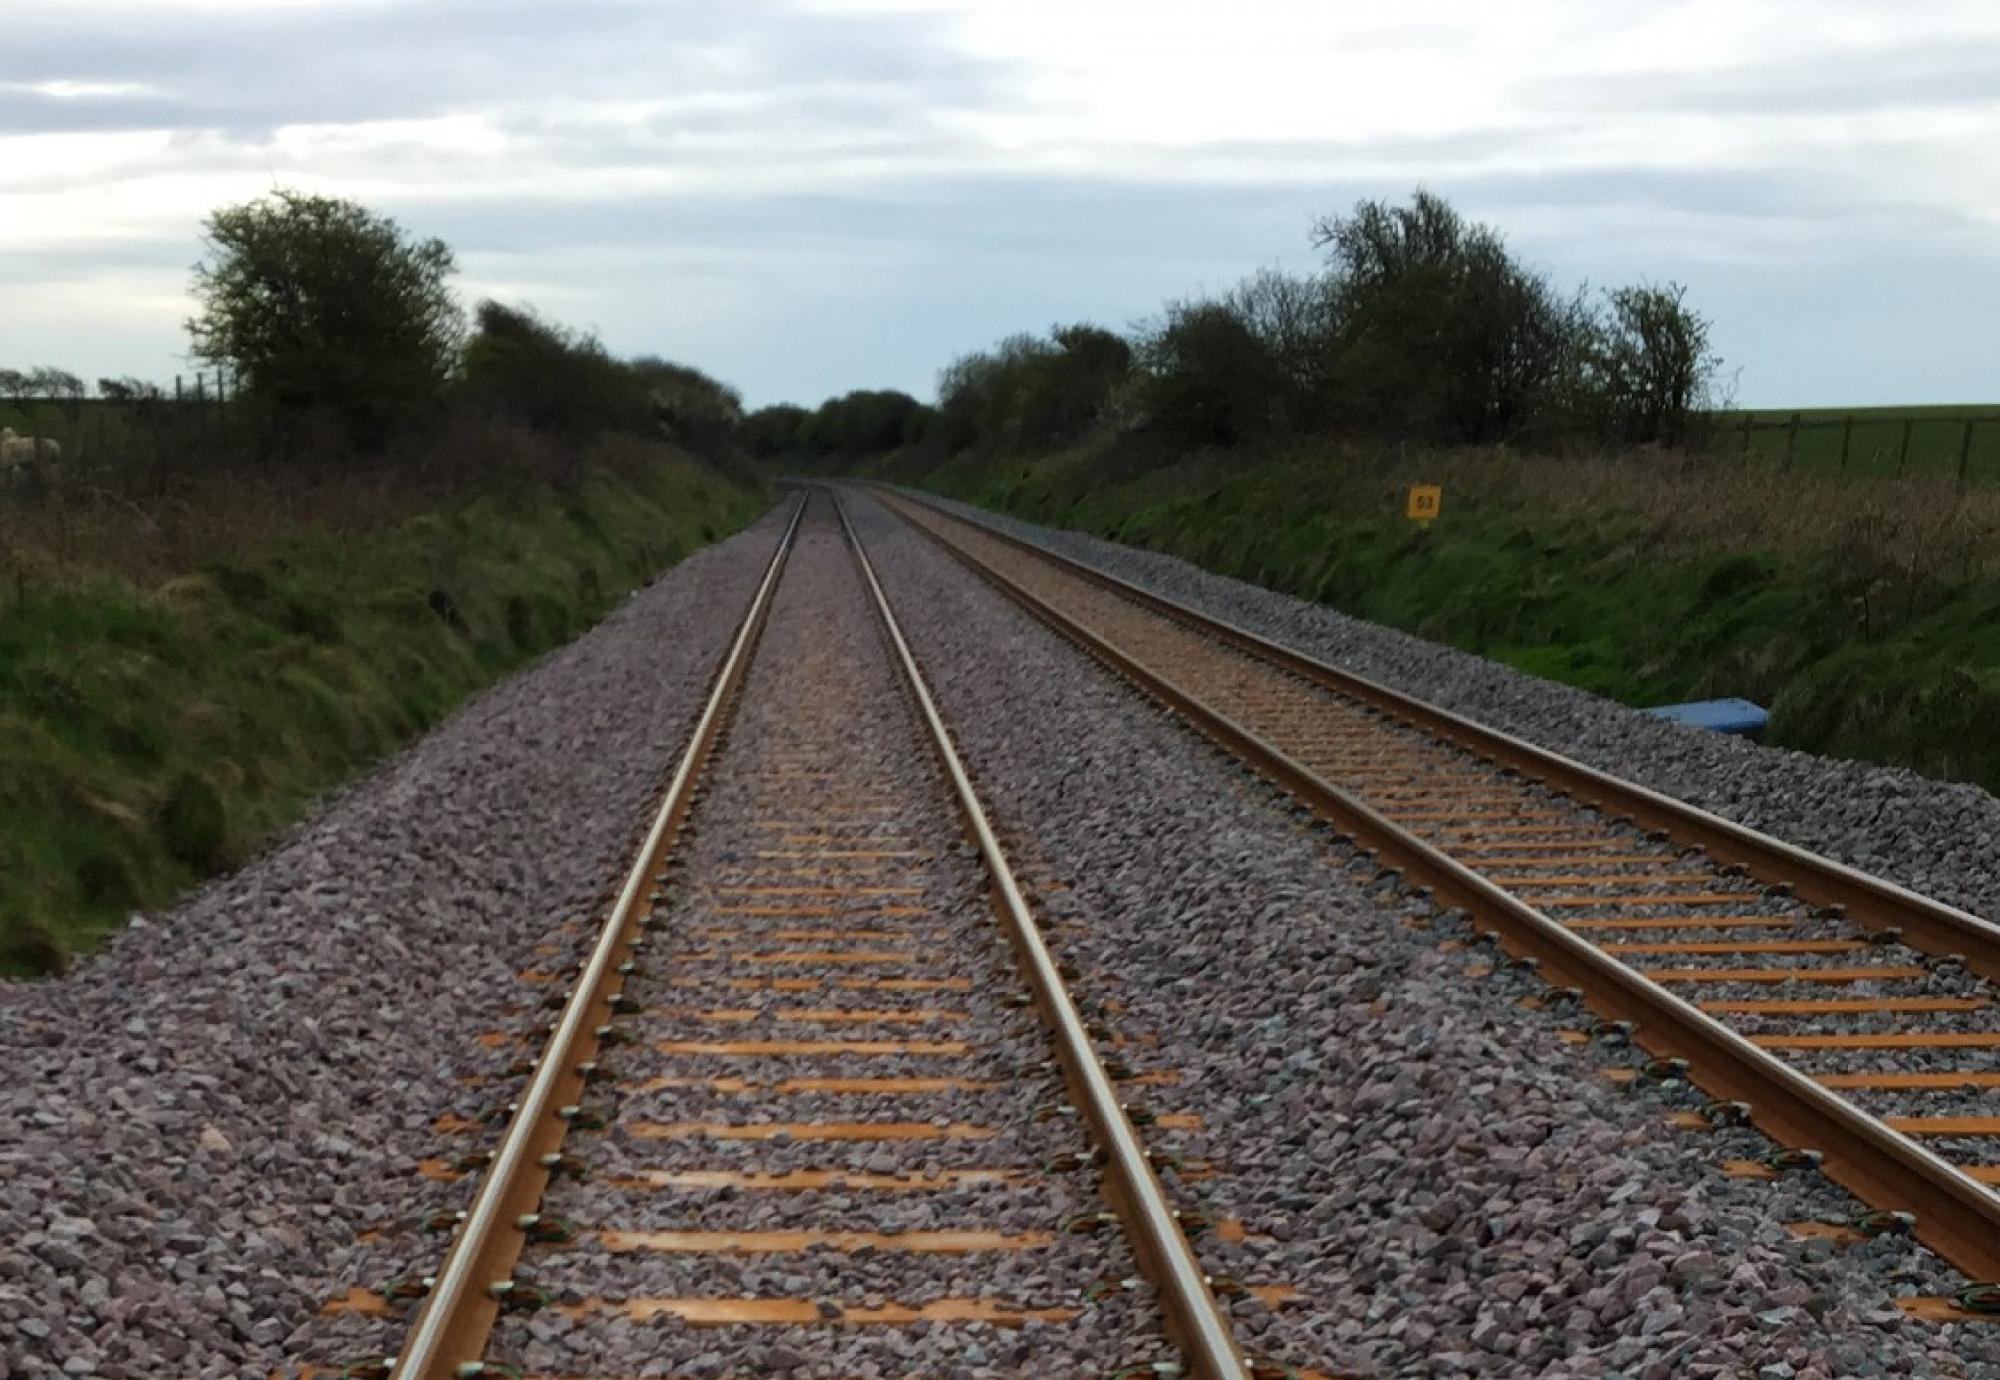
column 797, row 1108
column 1850, row 1020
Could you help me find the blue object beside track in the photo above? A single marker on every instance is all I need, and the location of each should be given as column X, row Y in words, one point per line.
column 1723, row 716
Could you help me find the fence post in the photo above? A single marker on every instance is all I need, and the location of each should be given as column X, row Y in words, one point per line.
column 1964, row 452
column 1792, row 441
column 1846, row 441
column 177, row 387
column 1903, row 451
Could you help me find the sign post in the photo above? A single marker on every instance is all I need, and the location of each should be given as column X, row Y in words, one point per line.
column 1426, row 501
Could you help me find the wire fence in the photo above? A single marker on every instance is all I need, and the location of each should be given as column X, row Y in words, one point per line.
column 109, row 437
column 1964, row 446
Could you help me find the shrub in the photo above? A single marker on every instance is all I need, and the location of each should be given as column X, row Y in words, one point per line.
column 194, row 825
column 866, row 422
column 972, row 394
column 1064, row 387
column 687, row 406
column 773, row 431
column 1207, row 378
column 1030, row 391
column 546, row 377
column 27, row 947
column 523, row 369
column 1442, row 335
column 1297, row 320
column 1421, row 326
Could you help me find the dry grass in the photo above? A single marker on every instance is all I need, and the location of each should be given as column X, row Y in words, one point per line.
column 149, row 525
column 1704, row 504
column 1680, row 503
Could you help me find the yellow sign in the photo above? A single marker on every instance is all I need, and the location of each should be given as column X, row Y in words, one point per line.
column 1425, row 502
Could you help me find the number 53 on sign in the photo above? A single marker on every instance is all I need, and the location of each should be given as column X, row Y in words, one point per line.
column 1426, row 500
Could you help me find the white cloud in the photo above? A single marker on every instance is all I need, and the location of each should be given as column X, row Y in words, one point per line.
column 81, row 90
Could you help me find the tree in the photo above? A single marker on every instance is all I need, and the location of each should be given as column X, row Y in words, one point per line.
column 687, row 405
column 1298, row 321
column 1441, row 335
column 1063, row 387
column 1209, row 379
column 127, row 389
column 1032, row 391
column 773, row 431
column 59, row 386
column 1655, row 362
column 970, row 398
column 319, row 304
column 864, row 422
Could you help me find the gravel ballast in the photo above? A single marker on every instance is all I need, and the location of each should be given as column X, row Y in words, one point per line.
column 902, row 1046
column 198, row 1125
column 1452, row 1186
column 1938, row 838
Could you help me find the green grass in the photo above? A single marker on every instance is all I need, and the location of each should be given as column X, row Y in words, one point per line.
column 150, row 737
column 1867, row 616
column 1875, row 445
column 93, row 423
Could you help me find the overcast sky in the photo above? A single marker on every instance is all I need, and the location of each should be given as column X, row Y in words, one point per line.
column 807, row 196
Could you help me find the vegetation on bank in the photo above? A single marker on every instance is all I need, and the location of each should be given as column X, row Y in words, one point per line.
column 154, row 734
column 216, row 606
column 1866, row 615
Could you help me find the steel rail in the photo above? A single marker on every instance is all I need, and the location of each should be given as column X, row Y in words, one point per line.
column 1956, row 1216
column 1194, row 1316
column 458, row 1312
column 1927, row 924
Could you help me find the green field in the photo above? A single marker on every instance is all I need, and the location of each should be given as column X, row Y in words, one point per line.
column 1878, row 441
column 93, row 429
column 51, row 419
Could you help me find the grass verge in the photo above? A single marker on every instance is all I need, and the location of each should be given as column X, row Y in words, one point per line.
column 153, row 734
column 1865, row 614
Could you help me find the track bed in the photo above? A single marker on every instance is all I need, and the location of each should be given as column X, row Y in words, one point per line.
column 1840, row 1013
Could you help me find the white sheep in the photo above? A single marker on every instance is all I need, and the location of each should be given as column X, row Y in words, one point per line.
column 19, row 452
